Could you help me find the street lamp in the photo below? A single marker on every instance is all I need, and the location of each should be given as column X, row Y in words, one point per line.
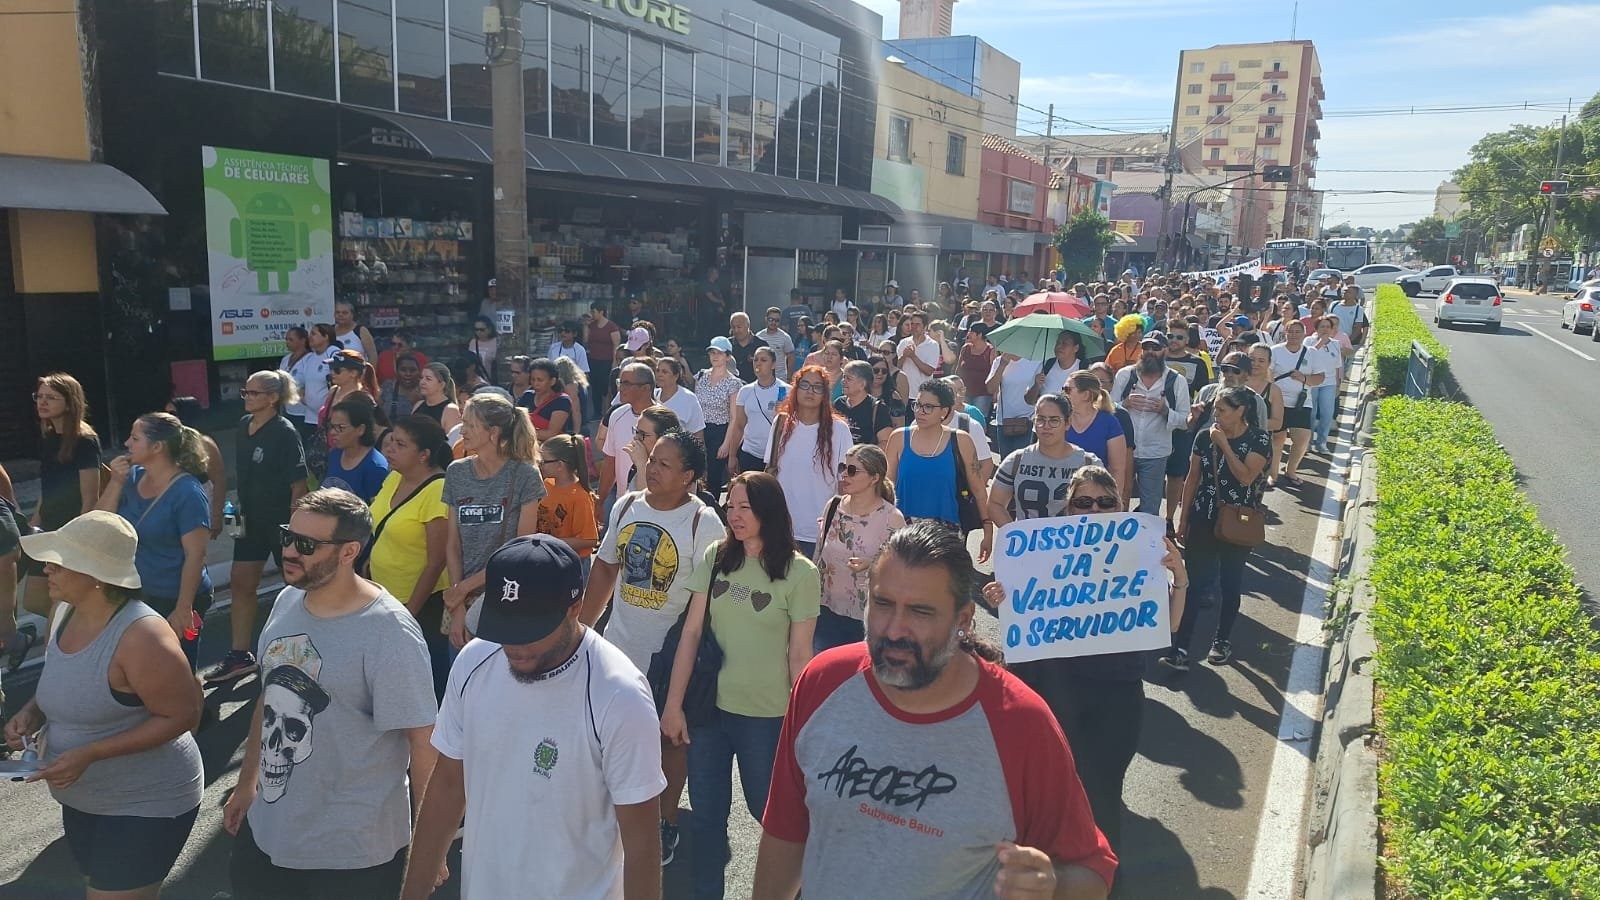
column 1322, row 227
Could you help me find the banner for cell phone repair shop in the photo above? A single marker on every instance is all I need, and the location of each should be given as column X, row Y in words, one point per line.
column 1221, row 276
column 1082, row 586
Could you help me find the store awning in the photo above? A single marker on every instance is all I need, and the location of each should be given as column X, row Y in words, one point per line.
column 474, row 144
column 70, row 185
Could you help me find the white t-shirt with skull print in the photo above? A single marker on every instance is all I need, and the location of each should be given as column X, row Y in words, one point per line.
column 337, row 698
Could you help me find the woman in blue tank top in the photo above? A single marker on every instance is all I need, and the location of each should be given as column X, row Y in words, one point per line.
column 923, row 457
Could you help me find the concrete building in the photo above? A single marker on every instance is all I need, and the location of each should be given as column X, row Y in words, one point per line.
column 1447, row 201
column 926, row 18
column 929, row 144
column 1256, row 104
column 967, row 64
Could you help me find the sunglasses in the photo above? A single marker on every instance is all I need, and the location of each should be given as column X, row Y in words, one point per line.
column 851, row 470
column 305, row 546
column 1107, row 503
column 246, row 393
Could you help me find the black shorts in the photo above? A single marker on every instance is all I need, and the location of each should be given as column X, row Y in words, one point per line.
column 255, row 877
column 749, row 462
column 260, row 541
column 1297, row 417
column 1178, row 462
column 124, row 853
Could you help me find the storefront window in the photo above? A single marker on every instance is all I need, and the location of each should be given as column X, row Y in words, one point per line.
column 680, row 103
column 366, row 50
column 535, row 68
column 469, row 69
column 419, row 26
column 644, row 96
column 175, row 36
column 765, row 148
column 302, row 47
column 709, row 88
column 233, row 42
column 829, row 143
column 788, row 108
column 739, row 134
column 569, row 76
column 810, row 112
column 610, row 87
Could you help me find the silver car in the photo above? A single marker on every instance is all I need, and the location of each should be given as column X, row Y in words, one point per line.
column 1578, row 313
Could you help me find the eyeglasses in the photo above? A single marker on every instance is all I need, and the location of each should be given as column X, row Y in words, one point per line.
column 1093, row 502
column 1049, row 421
column 305, row 546
column 879, row 370
column 1229, row 370
column 815, row 387
column 773, row 321
column 246, row 393
column 621, row 383
column 47, row 398
column 643, row 435
column 850, row 469
column 928, row 407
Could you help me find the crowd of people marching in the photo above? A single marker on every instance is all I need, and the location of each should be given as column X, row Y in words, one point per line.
column 761, row 562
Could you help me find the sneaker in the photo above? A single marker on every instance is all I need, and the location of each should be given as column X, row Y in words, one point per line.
column 669, row 843
column 1177, row 660
column 236, row 665
column 1221, row 652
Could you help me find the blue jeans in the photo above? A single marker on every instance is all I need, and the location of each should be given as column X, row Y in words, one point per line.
column 1004, row 446
column 713, row 748
column 1322, row 416
column 834, row 630
column 1150, row 483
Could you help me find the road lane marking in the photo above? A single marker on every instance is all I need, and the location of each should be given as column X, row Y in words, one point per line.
column 1557, row 341
column 1280, row 835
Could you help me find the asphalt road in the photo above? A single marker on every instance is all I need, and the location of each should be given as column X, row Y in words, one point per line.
column 1535, row 383
column 1196, row 792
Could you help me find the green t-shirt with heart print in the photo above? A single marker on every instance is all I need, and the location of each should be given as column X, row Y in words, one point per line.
column 751, row 615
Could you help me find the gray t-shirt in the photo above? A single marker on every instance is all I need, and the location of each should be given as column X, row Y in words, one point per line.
column 1208, row 396
column 781, row 344
column 338, row 697
column 1038, row 483
column 486, row 510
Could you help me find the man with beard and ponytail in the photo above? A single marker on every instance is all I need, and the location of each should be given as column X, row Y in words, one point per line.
column 916, row 747
column 548, row 743
column 1157, row 400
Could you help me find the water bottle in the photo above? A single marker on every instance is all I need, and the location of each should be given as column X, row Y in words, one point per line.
column 192, row 633
column 231, row 520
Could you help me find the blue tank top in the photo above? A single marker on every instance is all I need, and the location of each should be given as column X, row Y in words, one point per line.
column 925, row 486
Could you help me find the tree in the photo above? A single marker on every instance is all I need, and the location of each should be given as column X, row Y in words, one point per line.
column 1428, row 239
column 1082, row 245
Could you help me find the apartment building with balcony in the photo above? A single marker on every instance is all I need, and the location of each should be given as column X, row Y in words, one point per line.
column 1255, row 104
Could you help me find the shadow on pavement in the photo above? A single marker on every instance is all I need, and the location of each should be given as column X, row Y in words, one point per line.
column 1210, row 770
column 1158, row 865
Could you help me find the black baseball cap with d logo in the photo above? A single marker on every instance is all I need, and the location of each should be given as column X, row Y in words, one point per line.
column 530, row 584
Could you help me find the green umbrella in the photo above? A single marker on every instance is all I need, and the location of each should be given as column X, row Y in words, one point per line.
column 1034, row 336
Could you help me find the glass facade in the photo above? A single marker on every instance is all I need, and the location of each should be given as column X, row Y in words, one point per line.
column 707, row 84
column 955, row 62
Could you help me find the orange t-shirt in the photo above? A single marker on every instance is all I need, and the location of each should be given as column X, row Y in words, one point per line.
column 1121, row 356
column 568, row 512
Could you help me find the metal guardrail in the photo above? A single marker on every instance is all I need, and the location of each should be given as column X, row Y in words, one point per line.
column 1419, row 373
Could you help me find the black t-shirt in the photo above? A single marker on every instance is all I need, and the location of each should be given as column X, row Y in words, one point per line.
column 60, row 497
column 741, row 355
column 866, row 418
column 1234, row 493
column 269, row 462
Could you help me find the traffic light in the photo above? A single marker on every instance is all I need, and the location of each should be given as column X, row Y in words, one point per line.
column 1553, row 188
column 1277, row 173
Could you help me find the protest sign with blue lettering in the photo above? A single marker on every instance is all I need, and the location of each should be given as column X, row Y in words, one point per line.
column 1082, row 586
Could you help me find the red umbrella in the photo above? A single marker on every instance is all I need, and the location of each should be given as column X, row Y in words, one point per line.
column 1055, row 302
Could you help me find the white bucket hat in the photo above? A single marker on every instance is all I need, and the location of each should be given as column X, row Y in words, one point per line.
column 98, row 544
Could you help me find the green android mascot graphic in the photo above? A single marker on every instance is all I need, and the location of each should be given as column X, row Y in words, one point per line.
column 270, row 240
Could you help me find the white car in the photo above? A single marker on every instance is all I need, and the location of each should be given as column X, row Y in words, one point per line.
column 1369, row 276
column 1578, row 313
column 1430, row 281
column 1474, row 300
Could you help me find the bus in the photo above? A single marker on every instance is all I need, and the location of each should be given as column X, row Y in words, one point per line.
column 1294, row 254
column 1346, row 254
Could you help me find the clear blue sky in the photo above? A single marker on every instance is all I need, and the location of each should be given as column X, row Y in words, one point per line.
column 1113, row 63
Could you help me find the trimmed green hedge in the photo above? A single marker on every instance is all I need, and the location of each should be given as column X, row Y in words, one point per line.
column 1487, row 671
column 1395, row 324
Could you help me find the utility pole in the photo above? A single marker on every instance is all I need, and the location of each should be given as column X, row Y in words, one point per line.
column 502, row 26
column 1540, row 268
column 1049, row 135
column 1165, row 244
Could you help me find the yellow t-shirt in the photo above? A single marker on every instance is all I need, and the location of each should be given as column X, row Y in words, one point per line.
column 401, row 552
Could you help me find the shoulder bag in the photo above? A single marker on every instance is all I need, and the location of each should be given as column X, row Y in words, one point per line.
column 966, row 504
column 364, row 561
column 700, row 696
column 1244, row 526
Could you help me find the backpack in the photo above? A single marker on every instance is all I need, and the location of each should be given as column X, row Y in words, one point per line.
column 1169, row 389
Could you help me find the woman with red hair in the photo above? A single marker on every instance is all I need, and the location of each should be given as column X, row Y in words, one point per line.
column 809, row 440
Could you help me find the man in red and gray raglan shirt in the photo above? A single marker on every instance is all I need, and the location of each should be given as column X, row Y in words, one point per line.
column 909, row 766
